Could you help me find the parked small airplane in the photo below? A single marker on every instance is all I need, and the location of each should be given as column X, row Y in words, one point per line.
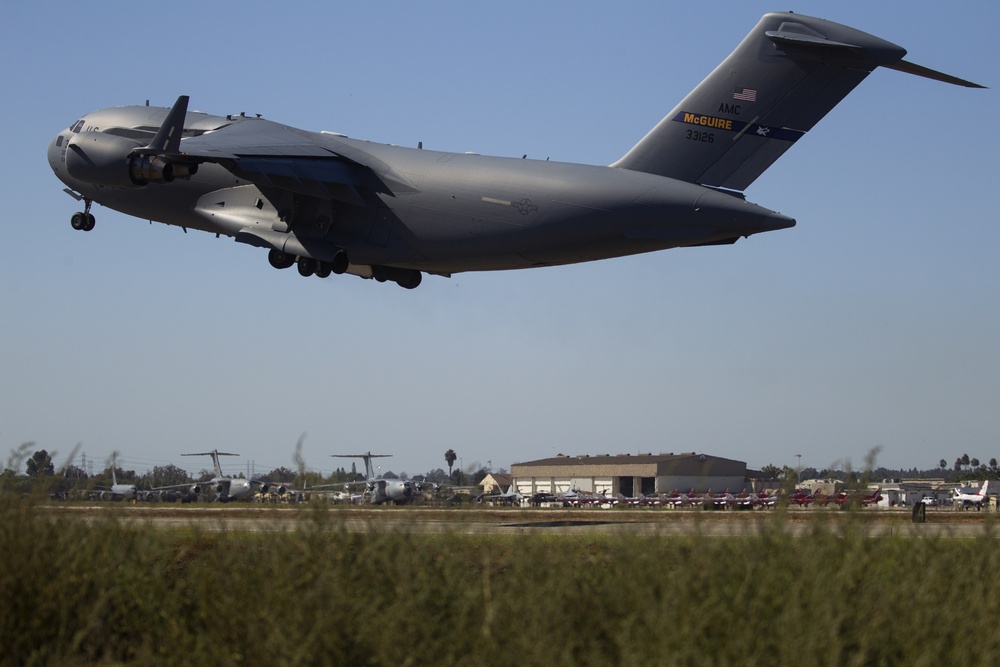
column 976, row 500
column 752, row 500
column 331, row 204
column 676, row 499
column 799, row 497
column 509, row 497
column 858, row 497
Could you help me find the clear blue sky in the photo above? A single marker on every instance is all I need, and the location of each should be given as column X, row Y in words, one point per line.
column 873, row 323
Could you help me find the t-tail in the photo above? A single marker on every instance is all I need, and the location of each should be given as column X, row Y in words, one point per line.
column 215, row 454
column 778, row 83
column 368, row 456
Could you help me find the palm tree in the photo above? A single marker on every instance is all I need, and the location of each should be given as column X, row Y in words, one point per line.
column 450, row 457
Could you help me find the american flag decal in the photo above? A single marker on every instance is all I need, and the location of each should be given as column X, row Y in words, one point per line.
column 745, row 94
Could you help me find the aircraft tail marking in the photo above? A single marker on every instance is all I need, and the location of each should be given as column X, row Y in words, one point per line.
column 788, row 73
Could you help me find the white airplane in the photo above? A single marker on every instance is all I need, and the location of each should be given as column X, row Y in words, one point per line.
column 118, row 491
column 972, row 499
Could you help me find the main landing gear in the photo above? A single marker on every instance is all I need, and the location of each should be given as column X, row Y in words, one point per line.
column 83, row 220
column 307, row 266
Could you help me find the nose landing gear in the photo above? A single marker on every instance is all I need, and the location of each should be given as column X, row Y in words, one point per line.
column 83, row 220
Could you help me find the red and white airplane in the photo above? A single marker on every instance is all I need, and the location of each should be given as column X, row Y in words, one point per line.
column 972, row 499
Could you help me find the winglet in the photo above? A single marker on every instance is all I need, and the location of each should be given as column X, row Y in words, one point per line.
column 168, row 137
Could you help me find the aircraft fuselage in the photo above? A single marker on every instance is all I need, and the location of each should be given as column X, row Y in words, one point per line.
column 458, row 212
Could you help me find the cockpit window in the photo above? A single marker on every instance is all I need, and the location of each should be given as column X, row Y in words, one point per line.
column 76, row 127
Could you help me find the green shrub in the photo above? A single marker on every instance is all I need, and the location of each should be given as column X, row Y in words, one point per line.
column 106, row 591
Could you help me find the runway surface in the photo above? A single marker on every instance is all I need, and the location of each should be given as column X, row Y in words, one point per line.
column 255, row 518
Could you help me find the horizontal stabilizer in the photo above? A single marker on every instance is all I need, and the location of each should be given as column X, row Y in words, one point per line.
column 927, row 73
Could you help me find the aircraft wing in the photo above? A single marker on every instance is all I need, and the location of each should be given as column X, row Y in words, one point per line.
column 178, row 486
column 279, row 158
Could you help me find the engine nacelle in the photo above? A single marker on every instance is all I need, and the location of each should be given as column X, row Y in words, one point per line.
column 101, row 159
column 104, row 159
column 196, row 489
column 145, row 169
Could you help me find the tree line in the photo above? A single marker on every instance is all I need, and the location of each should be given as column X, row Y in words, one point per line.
column 39, row 467
column 964, row 469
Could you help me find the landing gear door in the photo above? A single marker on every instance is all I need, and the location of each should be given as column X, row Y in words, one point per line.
column 381, row 227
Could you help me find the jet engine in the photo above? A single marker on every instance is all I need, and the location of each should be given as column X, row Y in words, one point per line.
column 106, row 159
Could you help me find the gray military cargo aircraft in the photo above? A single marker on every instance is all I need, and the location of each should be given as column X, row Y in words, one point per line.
column 332, row 204
column 380, row 490
column 227, row 489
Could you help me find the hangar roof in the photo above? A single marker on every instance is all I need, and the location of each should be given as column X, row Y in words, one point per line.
column 640, row 465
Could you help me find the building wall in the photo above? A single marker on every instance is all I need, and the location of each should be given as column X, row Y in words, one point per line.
column 629, row 474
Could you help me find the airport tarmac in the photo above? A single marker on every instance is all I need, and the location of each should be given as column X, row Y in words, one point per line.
column 249, row 518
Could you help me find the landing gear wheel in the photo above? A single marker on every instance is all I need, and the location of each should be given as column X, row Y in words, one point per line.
column 82, row 221
column 280, row 259
column 412, row 282
column 323, row 269
column 340, row 263
column 307, row 266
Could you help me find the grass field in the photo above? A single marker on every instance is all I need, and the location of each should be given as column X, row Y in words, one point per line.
column 115, row 592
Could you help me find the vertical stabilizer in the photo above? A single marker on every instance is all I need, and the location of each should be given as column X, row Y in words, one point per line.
column 215, row 454
column 778, row 83
column 367, row 457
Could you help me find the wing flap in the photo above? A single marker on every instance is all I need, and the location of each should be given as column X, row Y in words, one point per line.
column 323, row 178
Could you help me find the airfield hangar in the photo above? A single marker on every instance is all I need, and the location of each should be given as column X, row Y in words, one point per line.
column 628, row 474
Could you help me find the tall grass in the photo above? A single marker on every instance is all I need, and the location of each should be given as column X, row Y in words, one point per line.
column 111, row 592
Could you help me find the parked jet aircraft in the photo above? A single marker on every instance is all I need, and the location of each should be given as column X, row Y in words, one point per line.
column 227, row 489
column 856, row 498
column 976, row 500
column 676, row 499
column 118, row 491
column 331, row 204
column 380, row 490
column 509, row 497
column 799, row 497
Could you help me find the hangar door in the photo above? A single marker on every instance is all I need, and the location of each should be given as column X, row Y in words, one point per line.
column 627, row 486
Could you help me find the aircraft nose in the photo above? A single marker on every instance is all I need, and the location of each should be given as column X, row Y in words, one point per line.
column 56, row 153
